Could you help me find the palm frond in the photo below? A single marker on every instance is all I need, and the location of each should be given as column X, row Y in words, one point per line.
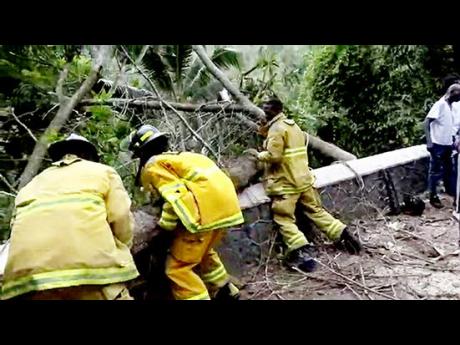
column 159, row 69
column 226, row 58
column 184, row 55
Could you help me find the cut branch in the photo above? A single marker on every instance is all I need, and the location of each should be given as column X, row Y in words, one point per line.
column 65, row 109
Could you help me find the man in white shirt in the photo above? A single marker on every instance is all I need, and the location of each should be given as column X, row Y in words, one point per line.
column 440, row 129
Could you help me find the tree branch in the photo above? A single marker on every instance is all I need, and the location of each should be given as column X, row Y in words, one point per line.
column 60, row 84
column 329, row 149
column 3, row 178
column 23, row 125
column 186, row 107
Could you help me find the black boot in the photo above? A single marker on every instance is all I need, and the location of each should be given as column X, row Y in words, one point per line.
column 228, row 292
column 435, row 202
column 302, row 259
column 350, row 242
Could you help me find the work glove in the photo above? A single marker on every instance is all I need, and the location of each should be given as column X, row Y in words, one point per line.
column 350, row 242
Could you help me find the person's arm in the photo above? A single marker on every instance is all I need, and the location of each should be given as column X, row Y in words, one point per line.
column 169, row 218
column 433, row 115
column 118, row 206
column 275, row 147
column 427, row 123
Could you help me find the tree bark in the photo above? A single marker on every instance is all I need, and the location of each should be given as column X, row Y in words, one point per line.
column 329, row 149
column 217, row 73
column 65, row 109
column 187, row 107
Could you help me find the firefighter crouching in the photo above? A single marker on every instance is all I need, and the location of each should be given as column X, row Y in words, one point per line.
column 200, row 202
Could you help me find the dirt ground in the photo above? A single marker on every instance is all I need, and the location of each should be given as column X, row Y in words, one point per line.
column 404, row 258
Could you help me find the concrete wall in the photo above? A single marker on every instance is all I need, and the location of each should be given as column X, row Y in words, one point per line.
column 348, row 191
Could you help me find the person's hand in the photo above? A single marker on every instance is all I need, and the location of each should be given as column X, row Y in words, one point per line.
column 253, row 153
column 429, row 147
column 456, row 145
column 351, row 243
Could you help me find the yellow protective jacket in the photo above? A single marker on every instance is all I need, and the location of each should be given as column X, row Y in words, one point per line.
column 285, row 155
column 195, row 191
column 72, row 226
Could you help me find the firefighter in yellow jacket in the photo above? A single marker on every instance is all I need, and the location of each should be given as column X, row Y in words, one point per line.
column 200, row 202
column 72, row 230
column 289, row 182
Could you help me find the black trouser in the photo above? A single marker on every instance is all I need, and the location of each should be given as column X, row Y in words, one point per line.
column 443, row 166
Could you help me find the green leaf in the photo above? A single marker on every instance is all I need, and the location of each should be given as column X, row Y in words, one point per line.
column 155, row 64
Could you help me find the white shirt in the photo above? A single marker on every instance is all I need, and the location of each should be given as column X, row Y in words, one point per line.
column 446, row 122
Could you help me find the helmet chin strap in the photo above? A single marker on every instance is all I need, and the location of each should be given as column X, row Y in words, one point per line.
column 142, row 161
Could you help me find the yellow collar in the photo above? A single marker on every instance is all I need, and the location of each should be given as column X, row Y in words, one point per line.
column 67, row 160
column 276, row 118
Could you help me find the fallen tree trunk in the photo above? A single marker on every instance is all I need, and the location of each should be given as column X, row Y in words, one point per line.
column 187, row 107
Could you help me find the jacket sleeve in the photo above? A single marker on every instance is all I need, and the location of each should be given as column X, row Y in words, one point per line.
column 169, row 218
column 275, row 147
column 161, row 178
column 118, row 206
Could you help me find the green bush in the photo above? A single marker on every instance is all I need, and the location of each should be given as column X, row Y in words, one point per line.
column 370, row 99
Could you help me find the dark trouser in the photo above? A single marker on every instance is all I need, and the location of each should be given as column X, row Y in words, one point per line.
column 443, row 166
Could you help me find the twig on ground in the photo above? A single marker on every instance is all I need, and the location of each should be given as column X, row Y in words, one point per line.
column 353, row 291
column 354, row 282
column 423, row 239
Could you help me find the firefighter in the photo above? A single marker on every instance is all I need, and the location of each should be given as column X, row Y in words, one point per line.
column 289, row 182
column 200, row 202
column 71, row 231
